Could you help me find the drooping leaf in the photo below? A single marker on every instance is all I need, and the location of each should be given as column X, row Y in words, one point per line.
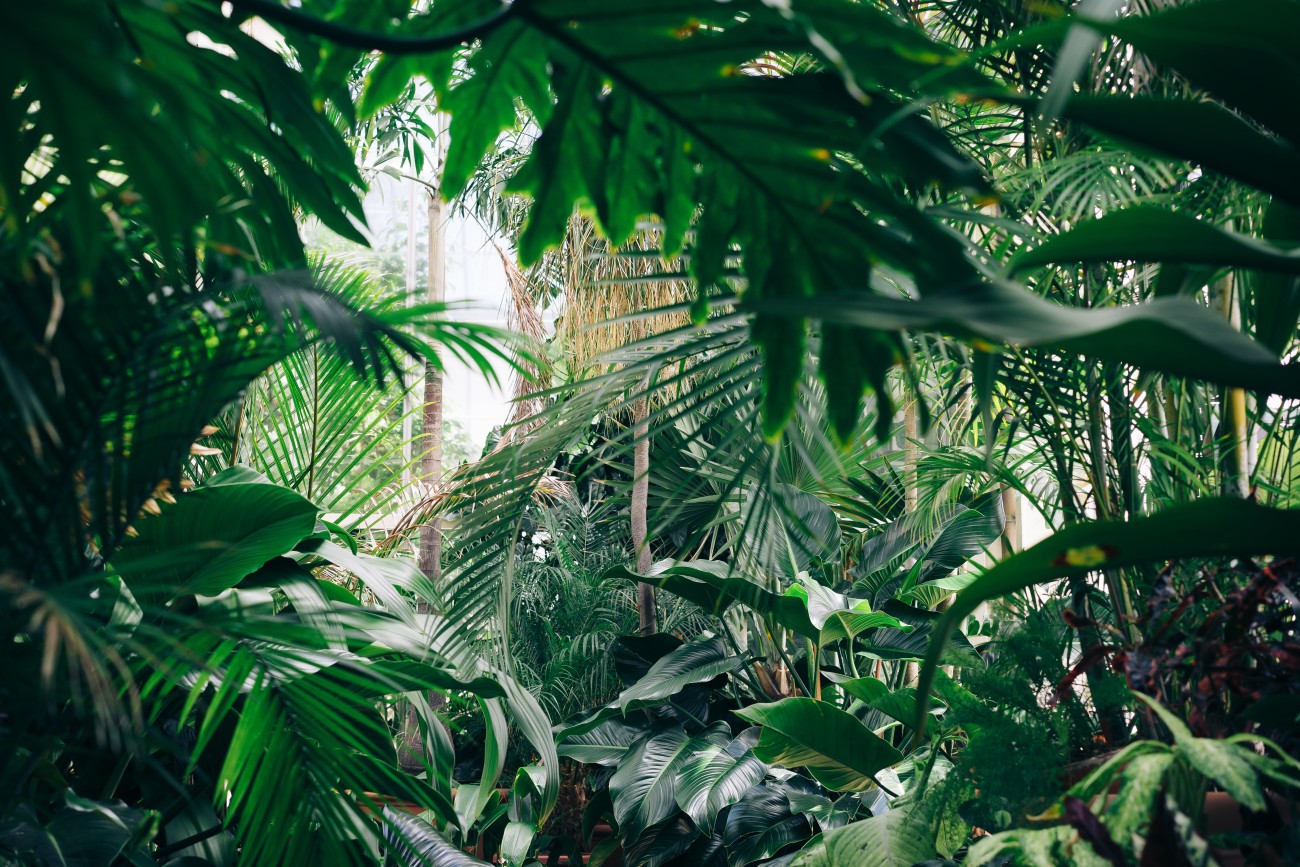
column 715, row 586
column 696, row 662
column 1217, row 760
column 1150, row 234
column 713, row 779
column 1207, row 528
column 761, row 825
column 212, row 537
column 414, row 841
column 606, row 744
column 661, row 843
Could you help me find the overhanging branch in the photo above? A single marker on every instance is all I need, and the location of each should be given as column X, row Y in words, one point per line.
column 365, row 40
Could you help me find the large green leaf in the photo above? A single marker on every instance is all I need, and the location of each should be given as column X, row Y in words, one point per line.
column 1169, row 335
column 715, row 586
column 900, row 837
column 1226, row 47
column 633, row 655
column 1276, row 295
column 715, row 778
column 762, row 824
column 696, row 662
column 836, row 616
column 1206, row 528
column 653, row 114
column 414, row 841
column 662, row 842
column 842, row 753
column 899, row 704
column 1150, row 234
column 212, row 537
column 1200, row 132
column 787, row 530
column 913, row 641
column 606, row 744
column 643, row 787
column 1220, row 761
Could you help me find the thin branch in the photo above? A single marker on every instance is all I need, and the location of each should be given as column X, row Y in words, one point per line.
column 369, row 40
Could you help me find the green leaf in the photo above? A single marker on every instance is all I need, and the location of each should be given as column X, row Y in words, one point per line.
column 1171, row 335
column 1220, row 761
column 556, row 181
column 1141, row 782
column 415, row 841
column 762, row 824
column 644, row 785
column 511, row 64
column 842, row 753
column 1217, row 527
column 606, row 744
column 516, row 841
column 899, row 838
column 787, row 530
column 899, row 704
column 715, row 586
column 212, row 537
column 1227, row 48
column 1149, row 234
column 695, row 662
column 1276, row 295
column 1204, row 133
column 850, row 624
column 713, row 779
column 663, row 842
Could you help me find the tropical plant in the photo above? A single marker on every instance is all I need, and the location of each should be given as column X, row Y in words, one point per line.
column 828, row 177
column 1155, row 814
column 182, row 675
column 683, row 782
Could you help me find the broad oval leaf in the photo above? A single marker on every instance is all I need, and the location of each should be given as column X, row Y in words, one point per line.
column 713, row 779
column 415, row 841
column 899, row 838
column 642, row 788
column 1149, row 234
column 761, row 825
column 692, row 663
column 837, row 749
column 607, row 744
column 212, row 537
column 716, row 586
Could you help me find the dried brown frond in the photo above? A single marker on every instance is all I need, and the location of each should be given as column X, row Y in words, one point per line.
column 604, row 286
column 525, row 318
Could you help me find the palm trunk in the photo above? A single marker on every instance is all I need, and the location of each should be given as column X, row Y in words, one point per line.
column 640, row 499
column 1011, row 533
column 408, row 376
column 431, row 462
column 911, row 486
column 429, row 557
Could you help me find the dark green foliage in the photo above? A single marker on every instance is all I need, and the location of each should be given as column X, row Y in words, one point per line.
column 1021, row 733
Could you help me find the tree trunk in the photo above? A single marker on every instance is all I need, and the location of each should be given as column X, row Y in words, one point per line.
column 1011, row 530
column 911, row 486
column 431, row 441
column 410, row 751
column 411, row 369
column 911, row 456
column 640, row 499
